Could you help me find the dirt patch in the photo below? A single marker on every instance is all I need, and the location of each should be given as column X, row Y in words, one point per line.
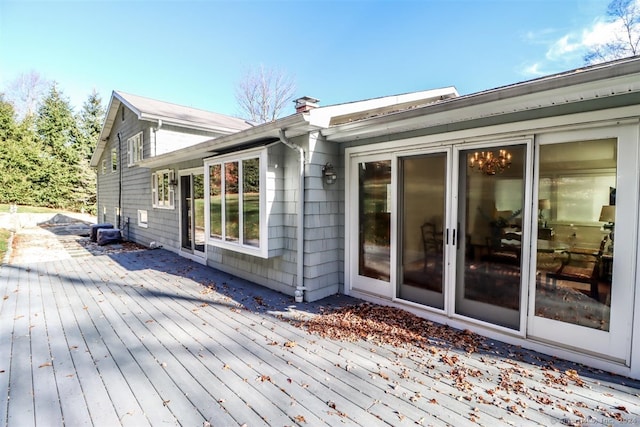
column 58, row 239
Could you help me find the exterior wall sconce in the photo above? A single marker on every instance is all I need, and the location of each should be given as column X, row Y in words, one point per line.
column 329, row 174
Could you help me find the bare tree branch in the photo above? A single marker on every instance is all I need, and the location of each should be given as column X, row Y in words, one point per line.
column 626, row 39
column 263, row 93
column 26, row 91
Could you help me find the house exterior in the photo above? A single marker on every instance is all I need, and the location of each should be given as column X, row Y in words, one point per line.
column 511, row 212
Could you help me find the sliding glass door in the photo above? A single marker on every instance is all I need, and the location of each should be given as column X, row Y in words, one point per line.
column 373, row 215
column 534, row 237
column 582, row 289
column 422, row 181
column 490, row 232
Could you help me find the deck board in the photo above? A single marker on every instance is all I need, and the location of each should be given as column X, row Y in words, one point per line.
column 139, row 339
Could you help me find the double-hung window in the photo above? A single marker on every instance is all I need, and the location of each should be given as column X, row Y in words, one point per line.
column 162, row 189
column 135, row 146
column 114, row 160
column 236, row 201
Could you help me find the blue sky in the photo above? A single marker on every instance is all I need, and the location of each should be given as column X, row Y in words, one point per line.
column 194, row 52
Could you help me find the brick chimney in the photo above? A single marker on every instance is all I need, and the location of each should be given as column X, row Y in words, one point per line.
column 305, row 104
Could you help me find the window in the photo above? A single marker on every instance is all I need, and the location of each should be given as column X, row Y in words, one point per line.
column 135, row 148
column 114, row 159
column 163, row 189
column 142, row 218
column 236, row 195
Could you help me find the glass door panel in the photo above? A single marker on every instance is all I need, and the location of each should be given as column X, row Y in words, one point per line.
column 186, row 212
column 198, row 212
column 192, row 213
column 491, row 194
column 574, row 259
column 584, row 254
column 422, row 184
column 374, row 212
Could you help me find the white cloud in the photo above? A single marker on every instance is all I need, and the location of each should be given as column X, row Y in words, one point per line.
column 566, row 45
column 601, row 33
column 569, row 49
column 534, row 70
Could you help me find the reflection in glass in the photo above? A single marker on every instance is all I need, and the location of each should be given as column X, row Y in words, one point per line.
column 186, row 208
column 251, row 202
column 374, row 210
column 422, row 201
column 490, row 204
column 198, row 208
column 575, row 244
column 215, row 207
column 231, row 202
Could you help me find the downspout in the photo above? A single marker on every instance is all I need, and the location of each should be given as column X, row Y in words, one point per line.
column 119, row 180
column 299, row 292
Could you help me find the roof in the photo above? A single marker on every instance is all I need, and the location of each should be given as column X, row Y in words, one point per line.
column 570, row 91
column 152, row 109
column 297, row 124
column 165, row 113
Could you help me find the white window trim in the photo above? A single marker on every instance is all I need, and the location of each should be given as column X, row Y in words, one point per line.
column 135, row 147
column 262, row 250
column 143, row 218
column 156, row 200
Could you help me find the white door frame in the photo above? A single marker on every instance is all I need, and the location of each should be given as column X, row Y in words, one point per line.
column 194, row 255
column 615, row 344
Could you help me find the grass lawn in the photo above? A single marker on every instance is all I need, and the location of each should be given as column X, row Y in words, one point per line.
column 28, row 209
column 4, row 240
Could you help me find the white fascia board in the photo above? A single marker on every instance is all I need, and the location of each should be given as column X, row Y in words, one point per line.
column 185, row 123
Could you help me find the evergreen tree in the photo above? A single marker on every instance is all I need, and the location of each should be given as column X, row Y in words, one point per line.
column 19, row 156
column 58, row 178
column 7, row 119
column 89, row 126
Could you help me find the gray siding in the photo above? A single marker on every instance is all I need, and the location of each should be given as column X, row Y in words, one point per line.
column 323, row 213
column 323, row 225
column 163, row 224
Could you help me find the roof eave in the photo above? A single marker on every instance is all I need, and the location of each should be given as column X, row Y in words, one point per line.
column 294, row 125
column 112, row 111
column 537, row 93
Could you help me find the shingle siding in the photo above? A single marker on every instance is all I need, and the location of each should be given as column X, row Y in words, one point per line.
column 323, row 212
column 323, row 226
column 163, row 224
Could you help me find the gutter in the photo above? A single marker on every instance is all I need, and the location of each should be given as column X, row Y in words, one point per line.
column 300, row 288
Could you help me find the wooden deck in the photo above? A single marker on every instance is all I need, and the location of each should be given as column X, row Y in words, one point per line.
column 149, row 338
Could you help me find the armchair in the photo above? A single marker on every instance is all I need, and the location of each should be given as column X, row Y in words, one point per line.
column 581, row 266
